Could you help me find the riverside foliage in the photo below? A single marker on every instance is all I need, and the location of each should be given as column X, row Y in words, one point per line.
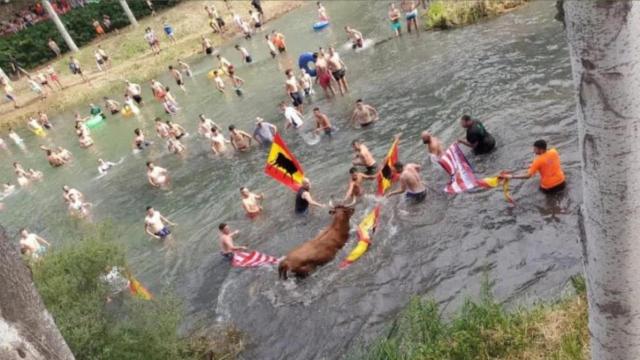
column 446, row 14
column 69, row 281
column 29, row 47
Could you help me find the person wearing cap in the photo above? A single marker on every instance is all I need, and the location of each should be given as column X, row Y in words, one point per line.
column 547, row 163
column 264, row 132
column 478, row 138
column 304, row 199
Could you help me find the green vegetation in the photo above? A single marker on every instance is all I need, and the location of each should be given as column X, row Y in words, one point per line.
column 69, row 281
column 445, row 14
column 29, row 47
column 485, row 330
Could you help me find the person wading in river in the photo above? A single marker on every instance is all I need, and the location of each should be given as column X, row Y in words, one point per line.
column 363, row 157
column 478, row 138
column 547, row 163
column 410, row 182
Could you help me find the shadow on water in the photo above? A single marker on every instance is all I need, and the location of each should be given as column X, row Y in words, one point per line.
column 511, row 72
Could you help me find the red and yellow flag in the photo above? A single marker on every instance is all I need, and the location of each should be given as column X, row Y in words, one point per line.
column 283, row 166
column 366, row 228
column 387, row 176
column 138, row 290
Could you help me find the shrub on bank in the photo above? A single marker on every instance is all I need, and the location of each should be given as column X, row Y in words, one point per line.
column 29, row 47
column 69, row 281
column 445, row 14
column 485, row 330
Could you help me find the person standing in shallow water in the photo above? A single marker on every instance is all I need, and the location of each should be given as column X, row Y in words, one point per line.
column 547, row 163
column 304, row 199
column 478, row 138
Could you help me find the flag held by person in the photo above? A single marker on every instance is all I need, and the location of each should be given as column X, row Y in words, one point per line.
column 365, row 231
column 248, row 259
column 387, row 175
column 462, row 176
column 283, row 166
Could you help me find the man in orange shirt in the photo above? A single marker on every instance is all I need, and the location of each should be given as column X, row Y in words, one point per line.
column 547, row 163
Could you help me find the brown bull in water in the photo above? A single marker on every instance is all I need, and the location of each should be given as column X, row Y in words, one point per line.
column 306, row 257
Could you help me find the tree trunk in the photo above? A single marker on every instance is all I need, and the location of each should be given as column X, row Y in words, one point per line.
column 605, row 58
column 27, row 330
column 132, row 18
column 56, row 20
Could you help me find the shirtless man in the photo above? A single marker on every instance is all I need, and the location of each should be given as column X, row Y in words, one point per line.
column 68, row 191
column 175, row 146
column 323, row 124
column 410, row 8
column 204, row 128
column 21, row 175
column 306, row 83
column 207, row 48
column 77, row 208
column 363, row 114
column 162, row 129
column 134, row 91
column 32, row 244
column 363, row 157
column 177, row 76
column 104, row 166
column 156, row 225
column 293, row 90
column 433, row 145
column 227, row 247
column 43, row 120
column 111, row 105
column 357, row 40
column 240, row 140
column 293, row 117
column 338, row 70
column 54, row 159
column 218, row 142
column 185, row 68
column 322, row 12
column 410, row 182
column 176, row 130
column 246, row 57
column 355, row 189
column 324, row 77
column 251, row 203
column 157, row 176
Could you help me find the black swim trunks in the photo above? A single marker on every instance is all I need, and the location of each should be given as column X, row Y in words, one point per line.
column 366, row 124
column 416, row 197
column 328, row 131
column 248, row 60
column 297, row 98
column 282, row 49
column 209, row 50
column 556, row 189
column 178, row 137
column 371, row 170
column 220, row 22
column 179, row 82
column 338, row 74
column 137, row 98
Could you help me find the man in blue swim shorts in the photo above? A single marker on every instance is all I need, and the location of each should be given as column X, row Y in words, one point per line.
column 156, row 225
column 410, row 182
column 293, row 89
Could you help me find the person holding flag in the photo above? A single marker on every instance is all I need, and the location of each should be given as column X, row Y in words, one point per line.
column 547, row 163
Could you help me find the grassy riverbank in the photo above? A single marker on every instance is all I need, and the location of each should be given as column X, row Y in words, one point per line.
column 486, row 330
column 131, row 57
column 444, row 14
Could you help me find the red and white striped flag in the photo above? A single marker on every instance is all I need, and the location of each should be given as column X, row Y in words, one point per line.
column 457, row 166
column 245, row 259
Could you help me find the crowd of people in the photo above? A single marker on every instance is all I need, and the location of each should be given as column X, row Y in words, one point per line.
column 331, row 76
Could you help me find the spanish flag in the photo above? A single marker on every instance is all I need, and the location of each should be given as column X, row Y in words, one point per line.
column 283, row 166
column 366, row 228
column 387, row 176
column 138, row 290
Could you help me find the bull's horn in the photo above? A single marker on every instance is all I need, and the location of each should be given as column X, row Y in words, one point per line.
column 331, row 204
column 352, row 203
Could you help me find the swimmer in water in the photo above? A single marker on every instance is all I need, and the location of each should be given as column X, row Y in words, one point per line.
column 410, row 8
column 21, row 175
column 363, row 115
column 293, row 90
column 204, row 128
column 162, row 130
column 218, row 142
column 34, row 126
column 77, row 208
column 157, row 176
column 323, row 124
column 293, row 117
column 240, row 140
column 251, row 203
column 176, row 130
column 32, row 245
column 357, row 40
column 156, row 225
column 174, row 145
column 112, row 105
column 104, row 166
column 355, row 189
column 322, row 12
column 34, row 175
column 84, row 138
column 363, row 157
column 139, row 143
column 54, row 158
column 43, row 119
column 227, row 246
column 410, row 182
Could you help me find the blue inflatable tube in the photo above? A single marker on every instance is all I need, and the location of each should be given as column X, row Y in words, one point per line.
column 303, row 63
column 320, row 25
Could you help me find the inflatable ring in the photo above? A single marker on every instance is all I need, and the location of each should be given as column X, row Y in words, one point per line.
column 320, row 25
column 39, row 132
column 303, row 63
column 126, row 111
column 220, row 71
column 95, row 121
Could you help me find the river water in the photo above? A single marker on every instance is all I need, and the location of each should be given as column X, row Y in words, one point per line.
column 512, row 72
